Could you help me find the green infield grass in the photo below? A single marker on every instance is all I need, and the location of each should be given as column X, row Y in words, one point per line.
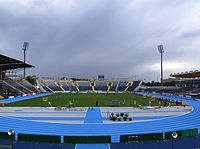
column 89, row 100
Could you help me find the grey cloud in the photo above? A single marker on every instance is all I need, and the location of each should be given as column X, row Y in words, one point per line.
column 192, row 34
column 91, row 37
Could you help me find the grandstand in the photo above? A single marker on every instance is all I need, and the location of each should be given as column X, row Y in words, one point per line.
column 84, row 86
column 88, row 86
column 52, row 85
column 189, row 82
column 114, row 86
column 101, row 86
column 187, row 79
column 11, row 84
column 65, row 84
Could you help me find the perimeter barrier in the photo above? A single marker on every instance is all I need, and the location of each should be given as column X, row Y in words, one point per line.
column 99, row 139
column 87, row 139
column 157, row 136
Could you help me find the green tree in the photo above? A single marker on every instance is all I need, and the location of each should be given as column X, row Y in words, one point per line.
column 31, row 80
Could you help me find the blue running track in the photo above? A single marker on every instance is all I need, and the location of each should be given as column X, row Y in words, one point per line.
column 86, row 119
column 92, row 146
column 23, row 98
column 93, row 115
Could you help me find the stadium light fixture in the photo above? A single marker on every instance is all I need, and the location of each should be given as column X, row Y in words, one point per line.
column 174, row 135
column 24, row 48
column 161, row 51
column 11, row 133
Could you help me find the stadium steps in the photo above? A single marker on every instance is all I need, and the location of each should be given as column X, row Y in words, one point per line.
column 46, row 86
column 40, row 86
column 92, row 84
column 113, row 86
column 30, row 91
column 13, row 87
column 116, row 89
column 138, row 86
column 108, row 88
column 92, row 146
column 76, row 86
column 66, row 87
column 122, row 86
column 128, row 85
column 62, row 88
column 115, row 138
column 93, row 88
column 126, row 88
column 59, row 86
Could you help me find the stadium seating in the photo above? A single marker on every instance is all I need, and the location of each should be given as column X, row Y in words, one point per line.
column 184, row 90
column 52, row 85
column 69, row 85
column 7, row 90
column 101, row 86
column 74, row 87
column 17, row 88
column 159, row 89
column 84, row 85
column 66, row 85
column 134, row 86
column 114, row 86
column 122, row 86
column 196, row 91
column 44, row 86
column 29, row 86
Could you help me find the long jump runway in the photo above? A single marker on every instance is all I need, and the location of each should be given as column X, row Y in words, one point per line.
column 96, row 123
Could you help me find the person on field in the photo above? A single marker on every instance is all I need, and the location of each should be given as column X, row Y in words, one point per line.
column 97, row 103
column 70, row 104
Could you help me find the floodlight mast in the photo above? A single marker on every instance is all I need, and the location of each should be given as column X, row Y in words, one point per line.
column 25, row 47
column 161, row 51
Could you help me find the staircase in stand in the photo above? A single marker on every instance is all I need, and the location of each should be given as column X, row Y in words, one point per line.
column 58, row 84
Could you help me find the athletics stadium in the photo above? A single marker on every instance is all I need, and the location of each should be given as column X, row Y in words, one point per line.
column 84, row 113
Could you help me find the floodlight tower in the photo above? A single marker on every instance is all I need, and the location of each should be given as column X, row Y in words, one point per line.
column 161, row 51
column 25, row 47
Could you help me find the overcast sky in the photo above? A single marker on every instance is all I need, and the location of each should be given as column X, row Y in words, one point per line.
column 117, row 38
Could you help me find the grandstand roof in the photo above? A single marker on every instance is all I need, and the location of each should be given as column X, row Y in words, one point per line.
column 7, row 63
column 191, row 74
